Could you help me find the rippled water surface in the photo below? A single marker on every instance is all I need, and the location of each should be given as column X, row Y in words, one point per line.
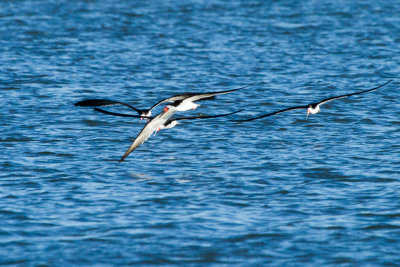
column 277, row 191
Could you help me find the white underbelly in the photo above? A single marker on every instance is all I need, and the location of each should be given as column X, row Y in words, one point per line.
column 186, row 105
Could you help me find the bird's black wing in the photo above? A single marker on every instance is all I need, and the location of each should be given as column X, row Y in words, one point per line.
column 197, row 96
column 210, row 95
column 120, row 114
column 206, row 117
column 347, row 95
column 273, row 113
column 104, row 102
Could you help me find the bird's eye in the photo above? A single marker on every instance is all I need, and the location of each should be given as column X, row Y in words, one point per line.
column 165, row 109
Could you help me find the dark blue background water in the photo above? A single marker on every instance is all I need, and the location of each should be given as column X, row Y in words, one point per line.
column 278, row 191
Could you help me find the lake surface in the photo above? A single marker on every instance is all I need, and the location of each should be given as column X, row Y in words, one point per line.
column 280, row 191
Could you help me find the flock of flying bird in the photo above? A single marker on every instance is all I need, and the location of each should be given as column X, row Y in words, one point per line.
column 184, row 102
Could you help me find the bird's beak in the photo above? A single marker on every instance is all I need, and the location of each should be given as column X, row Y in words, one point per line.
column 308, row 112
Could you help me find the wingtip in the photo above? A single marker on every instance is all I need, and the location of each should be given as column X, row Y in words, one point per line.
column 237, row 111
column 391, row 80
column 126, row 154
column 122, row 158
column 85, row 103
column 246, row 86
column 385, row 83
column 82, row 103
column 240, row 88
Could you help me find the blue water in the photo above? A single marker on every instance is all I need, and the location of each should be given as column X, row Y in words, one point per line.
column 281, row 191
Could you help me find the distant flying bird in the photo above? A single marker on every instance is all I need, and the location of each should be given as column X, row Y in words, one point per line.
column 314, row 108
column 182, row 102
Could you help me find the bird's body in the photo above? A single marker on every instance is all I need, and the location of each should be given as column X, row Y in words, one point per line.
column 184, row 105
column 162, row 121
column 170, row 123
column 314, row 109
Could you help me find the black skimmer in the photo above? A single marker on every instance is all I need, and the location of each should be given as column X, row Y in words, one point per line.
column 314, row 108
column 151, row 126
column 161, row 121
column 185, row 101
column 182, row 102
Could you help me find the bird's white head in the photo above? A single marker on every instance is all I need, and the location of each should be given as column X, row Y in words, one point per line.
column 145, row 114
column 308, row 112
column 313, row 110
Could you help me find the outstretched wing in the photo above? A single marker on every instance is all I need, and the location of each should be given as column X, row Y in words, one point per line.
column 147, row 130
column 144, row 134
column 347, row 95
column 199, row 96
column 207, row 117
column 102, row 103
column 273, row 113
column 120, row 114
column 196, row 96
